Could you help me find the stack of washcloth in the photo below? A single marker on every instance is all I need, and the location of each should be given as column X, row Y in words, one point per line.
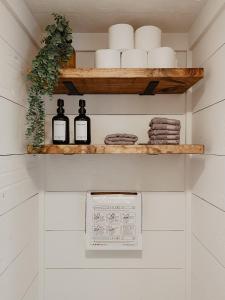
column 121, row 139
column 164, row 131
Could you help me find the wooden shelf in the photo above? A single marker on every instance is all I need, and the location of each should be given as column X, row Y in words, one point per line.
column 116, row 149
column 128, row 81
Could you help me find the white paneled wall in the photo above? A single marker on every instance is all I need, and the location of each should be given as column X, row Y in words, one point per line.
column 208, row 200
column 110, row 172
column 162, row 260
column 159, row 271
column 65, row 233
column 19, row 184
column 165, row 284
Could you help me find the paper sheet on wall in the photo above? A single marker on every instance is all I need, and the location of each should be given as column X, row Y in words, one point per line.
column 113, row 221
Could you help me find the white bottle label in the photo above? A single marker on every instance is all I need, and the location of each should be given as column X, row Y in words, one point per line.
column 59, row 131
column 81, row 130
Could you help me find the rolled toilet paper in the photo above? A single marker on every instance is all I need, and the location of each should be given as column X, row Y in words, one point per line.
column 163, row 57
column 107, row 58
column 134, row 58
column 121, row 37
column 148, row 37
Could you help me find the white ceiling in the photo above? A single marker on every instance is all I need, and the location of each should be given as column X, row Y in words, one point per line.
column 98, row 15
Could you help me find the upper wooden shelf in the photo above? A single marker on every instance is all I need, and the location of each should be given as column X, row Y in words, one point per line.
column 128, row 81
column 116, row 149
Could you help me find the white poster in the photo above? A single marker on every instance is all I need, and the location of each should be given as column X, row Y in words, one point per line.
column 113, row 221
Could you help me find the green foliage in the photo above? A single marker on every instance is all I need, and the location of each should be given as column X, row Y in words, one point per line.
column 44, row 75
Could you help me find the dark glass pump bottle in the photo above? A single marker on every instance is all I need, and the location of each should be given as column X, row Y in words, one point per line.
column 82, row 126
column 60, row 126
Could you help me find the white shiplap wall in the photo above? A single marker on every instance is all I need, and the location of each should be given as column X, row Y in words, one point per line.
column 208, row 200
column 19, row 182
column 159, row 272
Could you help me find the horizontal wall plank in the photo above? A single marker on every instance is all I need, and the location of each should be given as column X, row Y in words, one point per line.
column 210, row 233
column 102, row 125
column 211, row 40
column 16, row 230
column 20, row 274
column 207, row 275
column 122, row 104
column 65, row 211
column 14, row 177
column 212, row 133
column 15, row 194
column 15, row 169
column 15, row 36
column 16, row 162
column 115, row 284
column 12, row 124
column 13, row 74
column 208, row 173
column 107, row 172
column 161, row 211
column 211, row 89
column 161, row 249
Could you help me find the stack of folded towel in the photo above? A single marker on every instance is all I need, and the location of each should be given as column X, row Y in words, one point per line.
column 164, row 131
column 121, row 139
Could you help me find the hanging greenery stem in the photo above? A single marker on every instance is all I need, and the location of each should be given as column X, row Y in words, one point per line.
column 44, row 75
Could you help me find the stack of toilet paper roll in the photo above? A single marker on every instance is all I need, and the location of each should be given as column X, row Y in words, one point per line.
column 139, row 49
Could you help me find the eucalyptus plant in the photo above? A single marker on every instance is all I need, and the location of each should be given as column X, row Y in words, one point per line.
column 57, row 50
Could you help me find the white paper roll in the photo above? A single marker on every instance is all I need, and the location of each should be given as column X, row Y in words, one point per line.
column 147, row 37
column 134, row 58
column 163, row 57
column 107, row 58
column 121, row 37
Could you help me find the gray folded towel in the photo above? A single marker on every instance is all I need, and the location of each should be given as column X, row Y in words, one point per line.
column 164, row 121
column 164, row 142
column 120, row 139
column 122, row 135
column 165, row 137
column 165, row 126
column 163, row 132
column 119, row 143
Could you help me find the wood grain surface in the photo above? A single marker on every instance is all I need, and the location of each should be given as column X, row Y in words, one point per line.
column 116, row 149
column 129, row 81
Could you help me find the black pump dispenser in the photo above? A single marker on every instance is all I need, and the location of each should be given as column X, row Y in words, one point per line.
column 82, row 110
column 82, row 126
column 60, row 125
column 60, row 109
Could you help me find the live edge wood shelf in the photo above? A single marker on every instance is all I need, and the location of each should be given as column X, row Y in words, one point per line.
column 116, row 149
column 127, row 81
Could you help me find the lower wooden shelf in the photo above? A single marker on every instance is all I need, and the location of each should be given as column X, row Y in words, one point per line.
column 116, row 149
